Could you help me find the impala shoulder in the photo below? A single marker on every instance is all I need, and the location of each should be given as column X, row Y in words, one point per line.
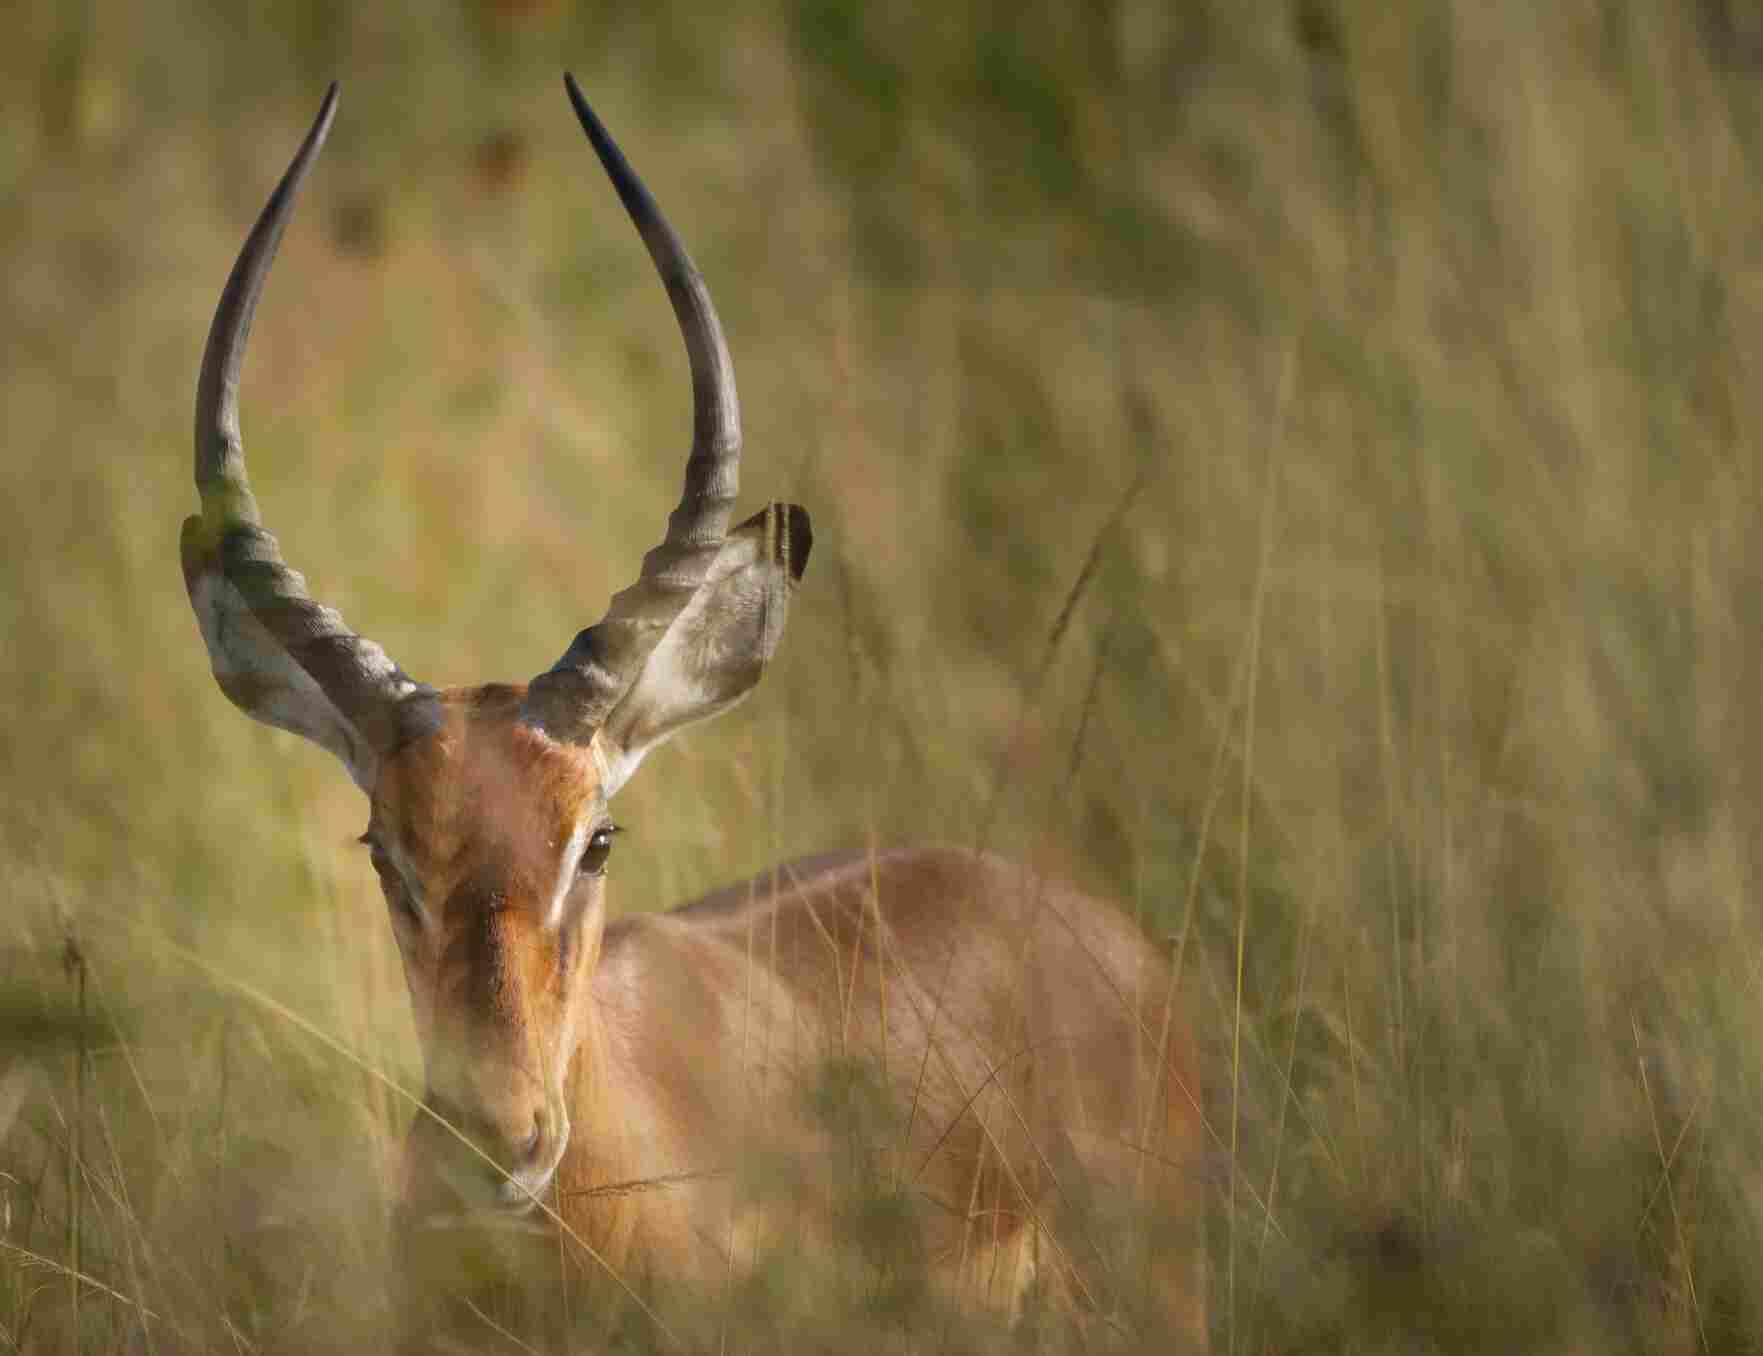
column 947, row 863
column 780, row 884
column 921, row 876
column 962, row 880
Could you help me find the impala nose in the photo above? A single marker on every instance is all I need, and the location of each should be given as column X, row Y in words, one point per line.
column 520, row 1140
column 527, row 1151
column 531, row 1162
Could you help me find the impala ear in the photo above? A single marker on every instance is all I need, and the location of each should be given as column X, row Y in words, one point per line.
column 713, row 653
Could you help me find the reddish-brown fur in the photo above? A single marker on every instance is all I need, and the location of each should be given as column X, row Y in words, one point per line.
column 995, row 1042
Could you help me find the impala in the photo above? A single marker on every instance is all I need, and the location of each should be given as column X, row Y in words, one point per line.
column 1037, row 1089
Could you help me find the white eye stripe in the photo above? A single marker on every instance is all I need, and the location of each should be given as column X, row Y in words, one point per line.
column 572, row 853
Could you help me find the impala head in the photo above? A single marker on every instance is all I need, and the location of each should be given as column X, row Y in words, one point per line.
column 489, row 824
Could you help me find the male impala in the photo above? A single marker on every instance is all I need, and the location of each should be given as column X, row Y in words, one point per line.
column 1039, row 1100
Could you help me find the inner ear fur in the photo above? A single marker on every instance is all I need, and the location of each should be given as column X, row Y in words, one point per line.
column 713, row 653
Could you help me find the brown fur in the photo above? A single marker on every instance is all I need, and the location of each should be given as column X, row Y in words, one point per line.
column 994, row 1046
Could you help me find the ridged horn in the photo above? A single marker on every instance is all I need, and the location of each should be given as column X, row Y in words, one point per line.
column 278, row 655
column 573, row 697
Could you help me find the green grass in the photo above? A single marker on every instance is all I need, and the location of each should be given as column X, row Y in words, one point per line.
column 1422, row 667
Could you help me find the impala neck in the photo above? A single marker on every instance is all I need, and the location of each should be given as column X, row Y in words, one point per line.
column 603, row 1144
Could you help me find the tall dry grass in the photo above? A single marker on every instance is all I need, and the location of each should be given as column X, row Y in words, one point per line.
column 1410, row 699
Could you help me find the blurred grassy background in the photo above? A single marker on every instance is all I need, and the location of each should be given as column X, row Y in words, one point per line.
column 1410, row 697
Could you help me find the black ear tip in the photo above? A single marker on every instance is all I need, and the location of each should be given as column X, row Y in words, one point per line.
column 786, row 527
column 796, row 540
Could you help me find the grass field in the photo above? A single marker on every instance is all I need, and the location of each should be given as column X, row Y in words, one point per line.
column 1280, row 465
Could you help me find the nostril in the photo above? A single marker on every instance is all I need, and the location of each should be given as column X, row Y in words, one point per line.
column 527, row 1149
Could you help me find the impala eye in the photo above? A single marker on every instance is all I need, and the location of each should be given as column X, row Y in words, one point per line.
column 599, row 848
column 391, row 881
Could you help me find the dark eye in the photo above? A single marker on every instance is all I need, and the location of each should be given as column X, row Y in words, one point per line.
column 397, row 895
column 599, row 848
column 382, row 865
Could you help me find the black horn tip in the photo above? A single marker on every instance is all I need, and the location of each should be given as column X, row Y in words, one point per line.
column 630, row 188
column 579, row 102
column 328, row 108
column 280, row 201
column 577, row 99
column 321, row 126
column 218, row 458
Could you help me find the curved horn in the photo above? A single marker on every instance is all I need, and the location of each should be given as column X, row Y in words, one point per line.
column 278, row 655
column 572, row 698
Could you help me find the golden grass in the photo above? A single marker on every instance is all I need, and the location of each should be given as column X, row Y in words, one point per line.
column 1411, row 700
